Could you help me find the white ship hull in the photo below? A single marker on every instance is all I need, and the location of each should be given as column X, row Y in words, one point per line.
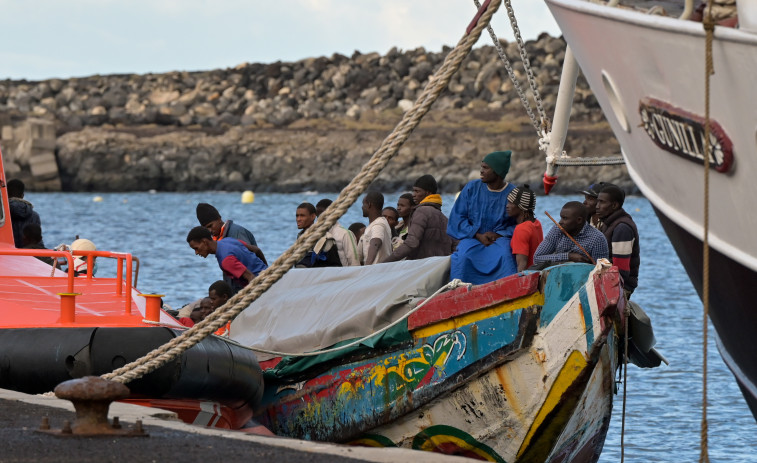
column 647, row 73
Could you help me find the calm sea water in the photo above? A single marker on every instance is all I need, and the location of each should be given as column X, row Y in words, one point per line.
column 664, row 405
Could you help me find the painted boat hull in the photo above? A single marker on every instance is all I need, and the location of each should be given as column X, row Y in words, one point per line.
column 528, row 377
column 633, row 60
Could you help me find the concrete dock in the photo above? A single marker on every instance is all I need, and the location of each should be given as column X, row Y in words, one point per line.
column 168, row 440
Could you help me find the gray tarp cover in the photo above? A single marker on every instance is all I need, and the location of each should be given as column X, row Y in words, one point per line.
column 311, row 309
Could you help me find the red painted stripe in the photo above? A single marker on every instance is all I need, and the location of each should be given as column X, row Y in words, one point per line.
column 607, row 287
column 461, row 301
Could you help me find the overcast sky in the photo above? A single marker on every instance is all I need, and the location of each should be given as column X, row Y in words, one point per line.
column 40, row 39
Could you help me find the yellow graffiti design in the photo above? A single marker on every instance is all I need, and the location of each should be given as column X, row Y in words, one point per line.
column 401, row 368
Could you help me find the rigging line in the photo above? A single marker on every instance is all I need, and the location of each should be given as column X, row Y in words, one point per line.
column 389, row 147
column 627, row 313
column 510, row 72
column 527, row 66
column 709, row 27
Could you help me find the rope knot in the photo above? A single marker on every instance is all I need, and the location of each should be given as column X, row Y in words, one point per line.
column 708, row 23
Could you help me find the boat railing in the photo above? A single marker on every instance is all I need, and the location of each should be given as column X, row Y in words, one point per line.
column 120, row 257
column 123, row 282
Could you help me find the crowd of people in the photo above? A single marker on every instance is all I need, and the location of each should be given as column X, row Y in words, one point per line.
column 492, row 232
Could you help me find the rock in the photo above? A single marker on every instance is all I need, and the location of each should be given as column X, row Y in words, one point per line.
column 405, row 105
column 159, row 97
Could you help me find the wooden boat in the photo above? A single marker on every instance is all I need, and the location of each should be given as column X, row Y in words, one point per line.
column 520, row 369
column 647, row 72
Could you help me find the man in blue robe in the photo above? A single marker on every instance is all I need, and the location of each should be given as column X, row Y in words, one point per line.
column 479, row 220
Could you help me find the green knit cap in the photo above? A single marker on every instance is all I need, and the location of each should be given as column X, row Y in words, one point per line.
column 499, row 161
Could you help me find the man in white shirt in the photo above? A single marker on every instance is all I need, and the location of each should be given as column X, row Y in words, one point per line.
column 376, row 242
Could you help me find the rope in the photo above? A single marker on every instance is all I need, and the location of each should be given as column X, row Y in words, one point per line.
column 709, row 27
column 625, row 386
column 389, row 147
column 604, row 161
column 451, row 285
column 527, row 66
column 521, row 94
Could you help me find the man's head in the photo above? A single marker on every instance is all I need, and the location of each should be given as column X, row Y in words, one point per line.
column 495, row 166
column 32, row 234
column 206, row 306
column 391, row 215
column 219, row 292
column 15, row 188
column 357, row 229
column 321, row 206
column 609, row 200
column 373, row 203
column 590, row 197
column 573, row 217
column 305, row 216
column 405, row 205
column 209, row 218
column 424, row 186
column 201, row 241
column 521, row 201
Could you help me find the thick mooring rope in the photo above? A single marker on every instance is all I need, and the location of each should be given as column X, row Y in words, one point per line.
column 709, row 27
column 389, row 147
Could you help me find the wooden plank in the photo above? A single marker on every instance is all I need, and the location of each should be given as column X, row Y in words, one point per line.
column 461, row 300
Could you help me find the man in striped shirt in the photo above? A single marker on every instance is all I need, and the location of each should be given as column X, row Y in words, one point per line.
column 622, row 235
column 557, row 247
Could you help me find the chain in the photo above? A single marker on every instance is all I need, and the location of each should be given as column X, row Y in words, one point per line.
column 511, row 73
column 527, row 66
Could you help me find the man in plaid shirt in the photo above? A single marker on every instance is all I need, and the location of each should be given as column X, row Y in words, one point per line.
column 557, row 247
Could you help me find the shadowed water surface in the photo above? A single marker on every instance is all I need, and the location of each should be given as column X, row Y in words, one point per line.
column 664, row 405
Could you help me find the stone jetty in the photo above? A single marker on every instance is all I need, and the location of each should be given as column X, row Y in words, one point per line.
column 305, row 125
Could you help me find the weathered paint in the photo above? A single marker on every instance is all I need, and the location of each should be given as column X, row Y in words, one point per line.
column 532, row 396
column 463, row 300
column 573, row 366
column 450, row 440
column 535, row 299
column 348, row 396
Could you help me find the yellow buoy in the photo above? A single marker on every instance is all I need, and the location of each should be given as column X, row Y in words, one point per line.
column 248, row 197
column 97, row 199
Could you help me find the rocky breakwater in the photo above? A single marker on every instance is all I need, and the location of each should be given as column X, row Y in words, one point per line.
column 304, row 125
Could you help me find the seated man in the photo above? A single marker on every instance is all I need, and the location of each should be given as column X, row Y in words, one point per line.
column 376, row 242
column 557, row 247
column 32, row 239
column 528, row 233
column 622, row 236
column 427, row 234
column 219, row 292
column 344, row 239
column 236, row 261
column 480, row 221
column 324, row 252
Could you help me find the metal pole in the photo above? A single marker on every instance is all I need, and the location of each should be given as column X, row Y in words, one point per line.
column 562, row 117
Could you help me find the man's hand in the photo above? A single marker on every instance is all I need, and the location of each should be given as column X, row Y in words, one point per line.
column 579, row 257
column 487, row 238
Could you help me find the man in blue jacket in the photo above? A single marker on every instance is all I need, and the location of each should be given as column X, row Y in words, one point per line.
column 237, row 262
column 210, row 218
